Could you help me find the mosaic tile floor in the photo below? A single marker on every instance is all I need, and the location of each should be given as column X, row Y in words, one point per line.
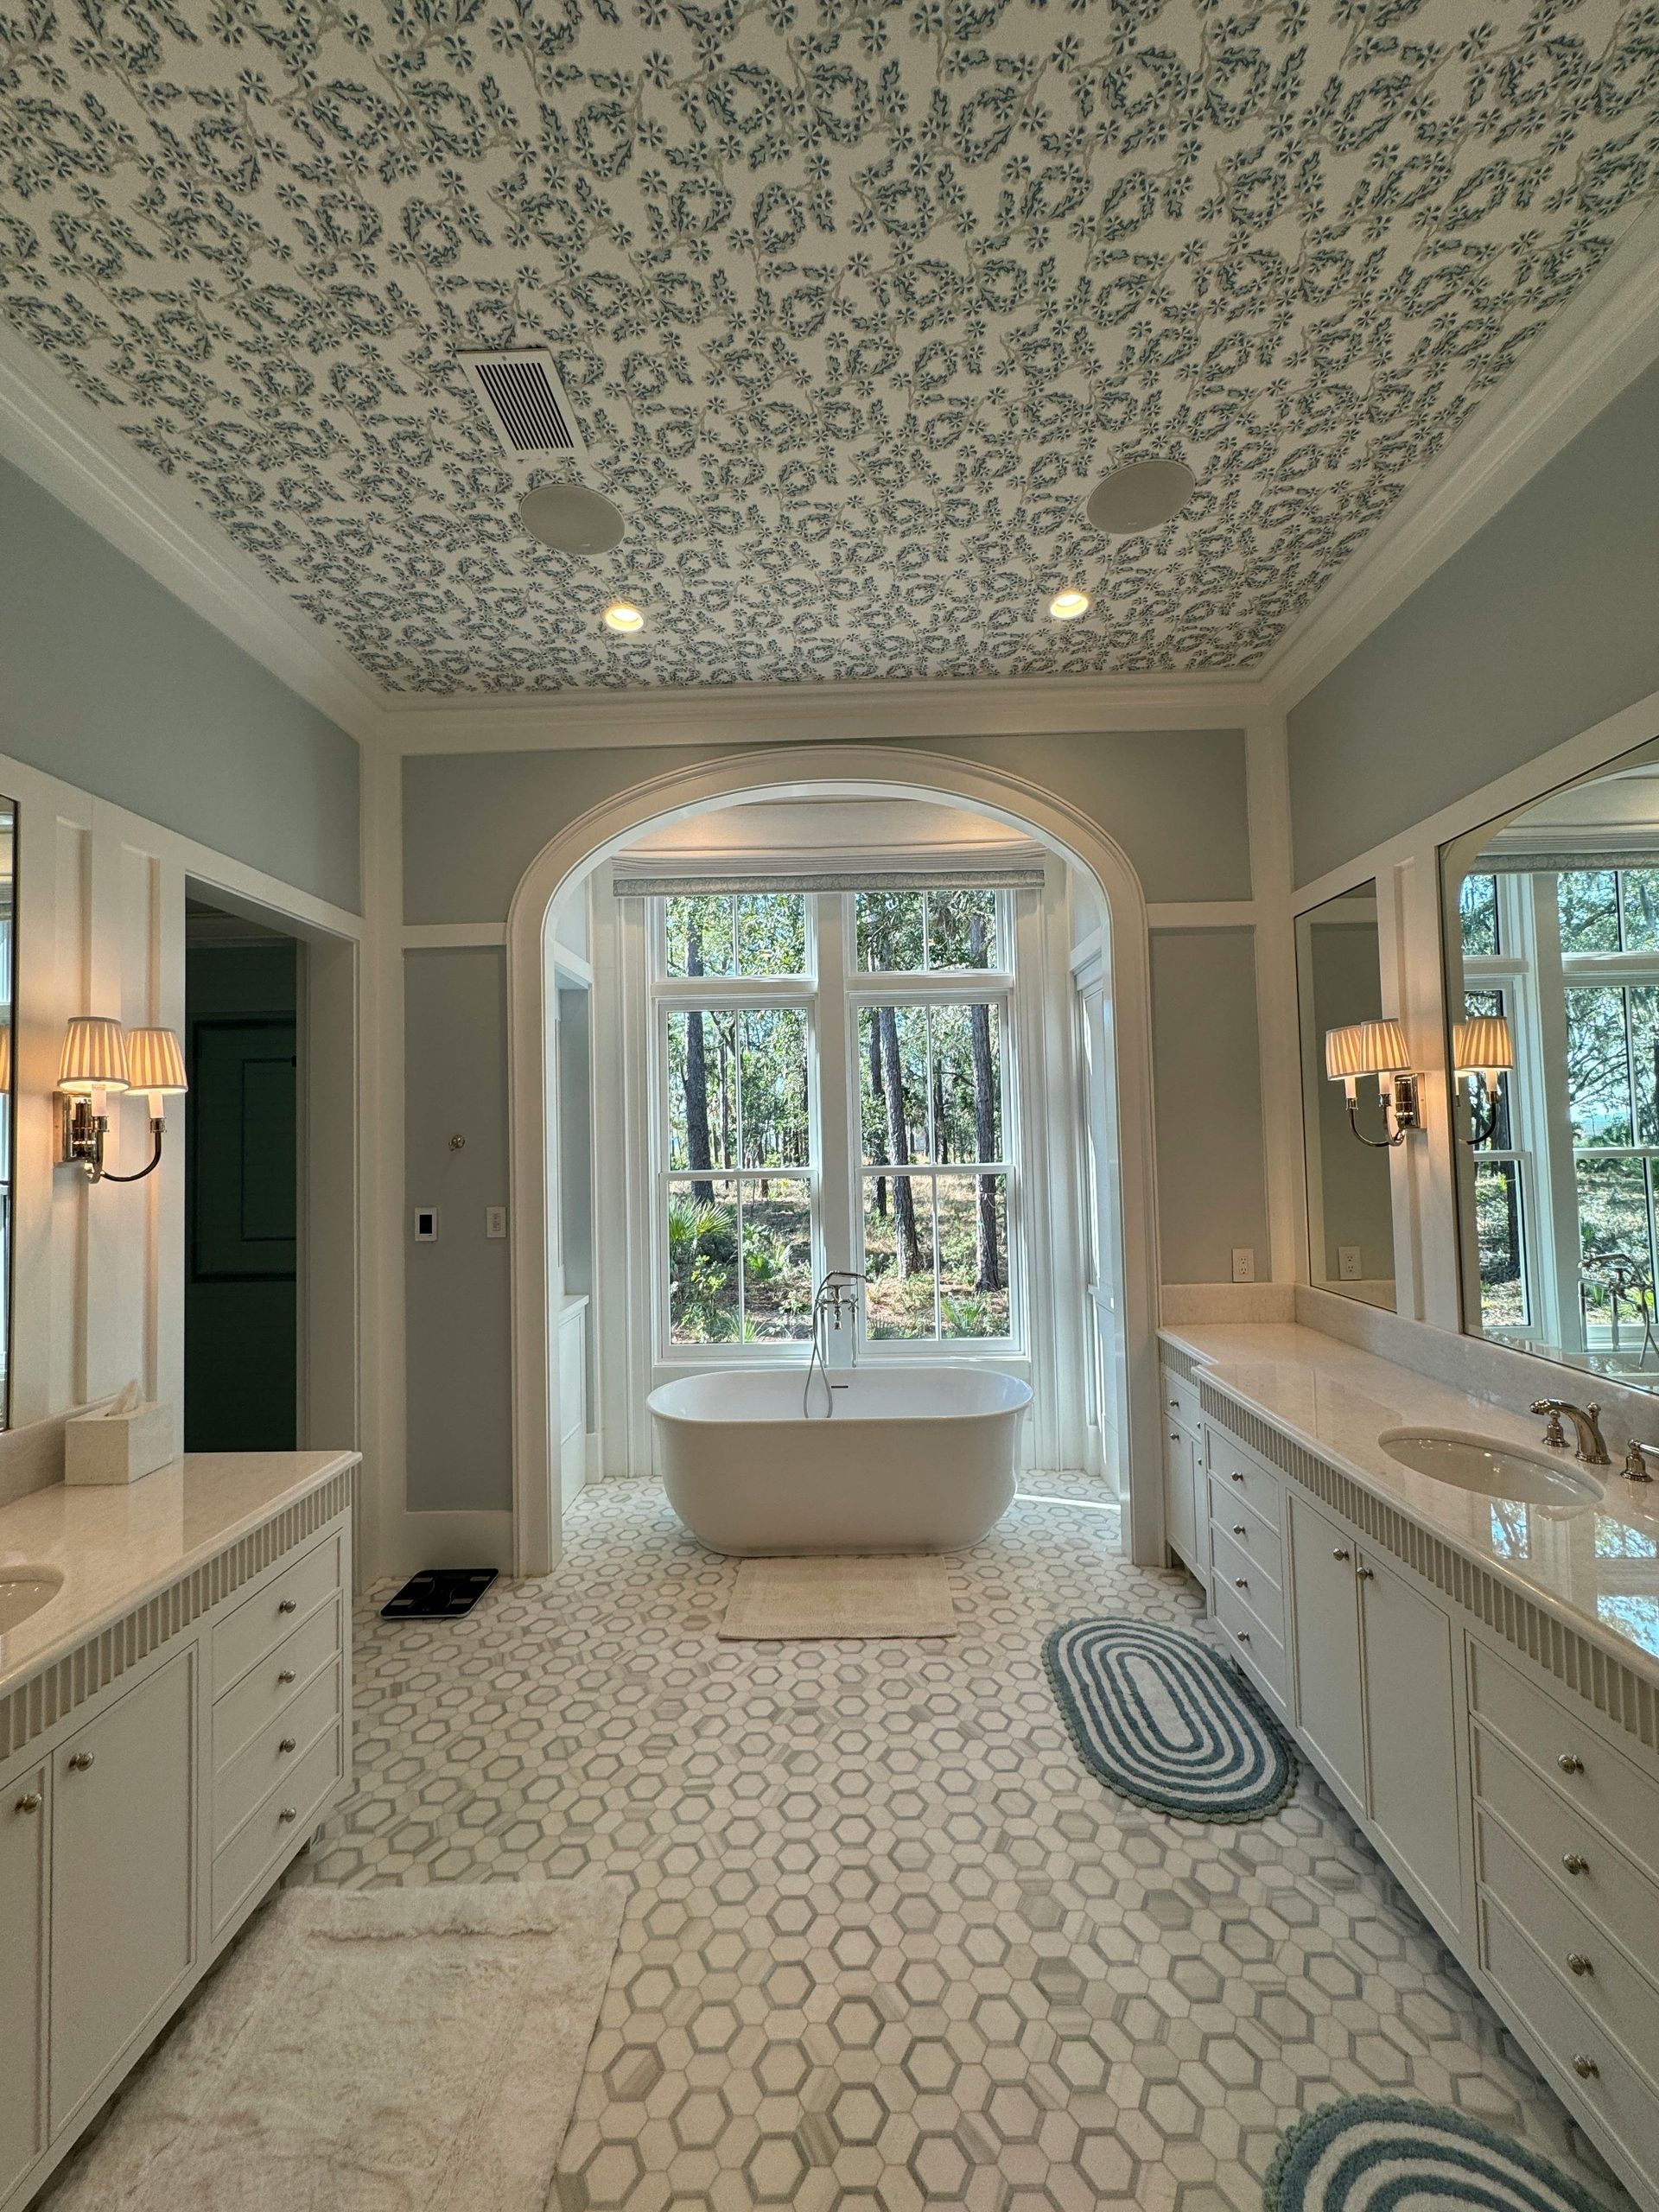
column 889, row 1945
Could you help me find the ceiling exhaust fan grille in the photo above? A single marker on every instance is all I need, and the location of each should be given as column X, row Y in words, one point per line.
column 525, row 403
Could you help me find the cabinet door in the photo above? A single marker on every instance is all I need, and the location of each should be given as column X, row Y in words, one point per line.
column 122, row 1877
column 1411, row 1732
column 23, row 1955
column 1180, row 1507
column 1325, row 1597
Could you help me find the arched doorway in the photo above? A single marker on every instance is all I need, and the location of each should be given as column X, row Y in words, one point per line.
column 853, row 771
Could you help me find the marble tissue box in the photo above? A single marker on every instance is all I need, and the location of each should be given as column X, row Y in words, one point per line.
column 117, row 1447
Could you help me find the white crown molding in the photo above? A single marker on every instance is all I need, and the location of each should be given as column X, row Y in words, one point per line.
column 58, row 438
column 797, row 714
column 1599, row 344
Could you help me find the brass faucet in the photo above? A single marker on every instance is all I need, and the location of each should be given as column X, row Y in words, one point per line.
column 1586, row 1427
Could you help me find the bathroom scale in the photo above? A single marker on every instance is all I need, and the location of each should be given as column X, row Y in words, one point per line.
column 439, row 1593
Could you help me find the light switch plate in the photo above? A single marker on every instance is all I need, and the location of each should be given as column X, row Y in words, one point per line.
column 495, row 1221
column 426, row 1224
column 1347, row 1263
column 1244, row 1263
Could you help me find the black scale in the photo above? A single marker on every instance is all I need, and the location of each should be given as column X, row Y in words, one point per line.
column 439, row 1593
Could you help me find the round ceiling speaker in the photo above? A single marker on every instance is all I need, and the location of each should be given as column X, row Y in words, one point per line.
column 1142, row 495
column 571, row 518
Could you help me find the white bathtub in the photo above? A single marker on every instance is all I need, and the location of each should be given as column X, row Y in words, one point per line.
column 913, row 1460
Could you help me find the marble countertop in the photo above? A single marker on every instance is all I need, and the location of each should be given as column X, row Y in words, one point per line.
column 117, row 1544
column 1594, row 1565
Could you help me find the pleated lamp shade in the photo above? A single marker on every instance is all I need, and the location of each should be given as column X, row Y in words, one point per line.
column 1382, row 1049
column 92, row 1057
column 1342, row 1059
column 1482, row 1046
column 155, row 1064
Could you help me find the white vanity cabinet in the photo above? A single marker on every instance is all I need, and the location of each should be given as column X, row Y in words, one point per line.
column 1185, row 1476
column 157, row 1778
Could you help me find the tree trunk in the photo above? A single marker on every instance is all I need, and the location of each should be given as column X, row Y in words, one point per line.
column 987, row 1251
column 877, row 1143
column 904, row 1197
column 696, row 1078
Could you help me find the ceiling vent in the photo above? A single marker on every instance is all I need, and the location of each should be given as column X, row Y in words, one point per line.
column 525, row 401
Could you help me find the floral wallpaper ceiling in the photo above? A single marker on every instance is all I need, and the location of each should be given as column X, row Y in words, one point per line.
column 854, row 301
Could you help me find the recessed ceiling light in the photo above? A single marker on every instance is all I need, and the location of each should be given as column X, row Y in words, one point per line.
column 622, row 615
column 1142, row 495
column 1066, row 605
column 571, row 518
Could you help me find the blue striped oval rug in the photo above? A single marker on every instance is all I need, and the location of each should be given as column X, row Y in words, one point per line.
column 1366, row 2153
column 1165, row 1722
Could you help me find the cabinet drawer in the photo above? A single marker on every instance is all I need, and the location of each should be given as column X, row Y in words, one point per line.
column 1239, row 1475
column 275, row 1827
column 1257, row 1538
column 1621, row 2099
column 272, row 1683
column 1251, row 1578
column 252, row 1630
column 1577, row 1763
column 1607, row 1984
column 1181, row 1399
column 1249, row 1639
column 265, row 1761
column 1609, row 1888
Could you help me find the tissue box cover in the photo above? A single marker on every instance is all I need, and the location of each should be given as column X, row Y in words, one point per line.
column 117, row 1447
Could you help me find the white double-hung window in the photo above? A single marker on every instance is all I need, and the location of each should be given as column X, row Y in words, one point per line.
column 833, row 1087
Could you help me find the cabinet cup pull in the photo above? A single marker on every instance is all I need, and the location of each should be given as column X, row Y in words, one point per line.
column 1239, row 1528
column 1584, row 2066
column 1575, row 1862
column 288, row 1604
column 1578, row 1963
column 287, row 1674
column 29, row 1802
column 1570, row 1762
column 80, row 1761
column 287, row 1744
column 1341, row 1552
column 289, row 1812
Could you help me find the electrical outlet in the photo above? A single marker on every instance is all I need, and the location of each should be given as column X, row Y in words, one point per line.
column 426, row 1224
column 1244, row 1263
column 1347, row 1263
column 495, row 1221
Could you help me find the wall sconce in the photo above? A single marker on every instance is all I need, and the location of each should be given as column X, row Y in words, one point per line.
column 98, row 1060
column 1375, row 1048
column 1482, row 1050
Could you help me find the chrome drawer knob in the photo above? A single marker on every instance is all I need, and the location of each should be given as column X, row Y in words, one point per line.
column 1363, row 1573
column 1575, row 1862
column 1584, row 2066
column 1239, row 1528
column 1241, row 1582
column 80, row 1761
column 287, row 1606
column 1243, row 1634
column 1578, row 1963
column 287, row 1744
column 1174, row 1405
column 289, row 1812
column 1237, row 1478
column 1570, row 1762
column 29, row 1802
column 287, row 1674
column 1341, row 1552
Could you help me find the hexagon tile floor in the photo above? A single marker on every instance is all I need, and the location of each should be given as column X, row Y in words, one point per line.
column 889, row 1945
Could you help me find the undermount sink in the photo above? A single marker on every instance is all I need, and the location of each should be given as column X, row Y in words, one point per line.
column 23, row 1590
column 1489, row 1468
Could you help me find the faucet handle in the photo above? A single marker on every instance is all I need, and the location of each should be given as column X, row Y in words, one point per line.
column 1636, row 1467
column 1555, row 1434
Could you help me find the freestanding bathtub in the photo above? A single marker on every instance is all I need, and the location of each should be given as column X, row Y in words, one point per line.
column 914, row 1458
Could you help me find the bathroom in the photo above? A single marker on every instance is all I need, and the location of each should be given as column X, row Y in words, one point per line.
column 831, row 1102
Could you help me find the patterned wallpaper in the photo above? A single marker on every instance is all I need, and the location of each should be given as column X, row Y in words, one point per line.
column 854, row 301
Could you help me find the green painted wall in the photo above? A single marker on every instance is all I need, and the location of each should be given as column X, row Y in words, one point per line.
column 1545, row 623
column 1212, row 1190
column 122, row 690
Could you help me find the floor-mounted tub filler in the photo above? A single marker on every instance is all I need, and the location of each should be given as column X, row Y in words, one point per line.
column 913, row 1459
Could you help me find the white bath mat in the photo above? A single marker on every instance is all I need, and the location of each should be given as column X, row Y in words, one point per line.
column 381, row 2050
column 792, row 1600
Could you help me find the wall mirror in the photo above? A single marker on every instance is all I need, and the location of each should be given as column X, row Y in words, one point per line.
column 1350, row 1203
column 1552, row 953
column 7, row 1124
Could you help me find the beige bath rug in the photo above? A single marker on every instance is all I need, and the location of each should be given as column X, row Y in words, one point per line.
column 789, row 1600
column 381, row 2050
